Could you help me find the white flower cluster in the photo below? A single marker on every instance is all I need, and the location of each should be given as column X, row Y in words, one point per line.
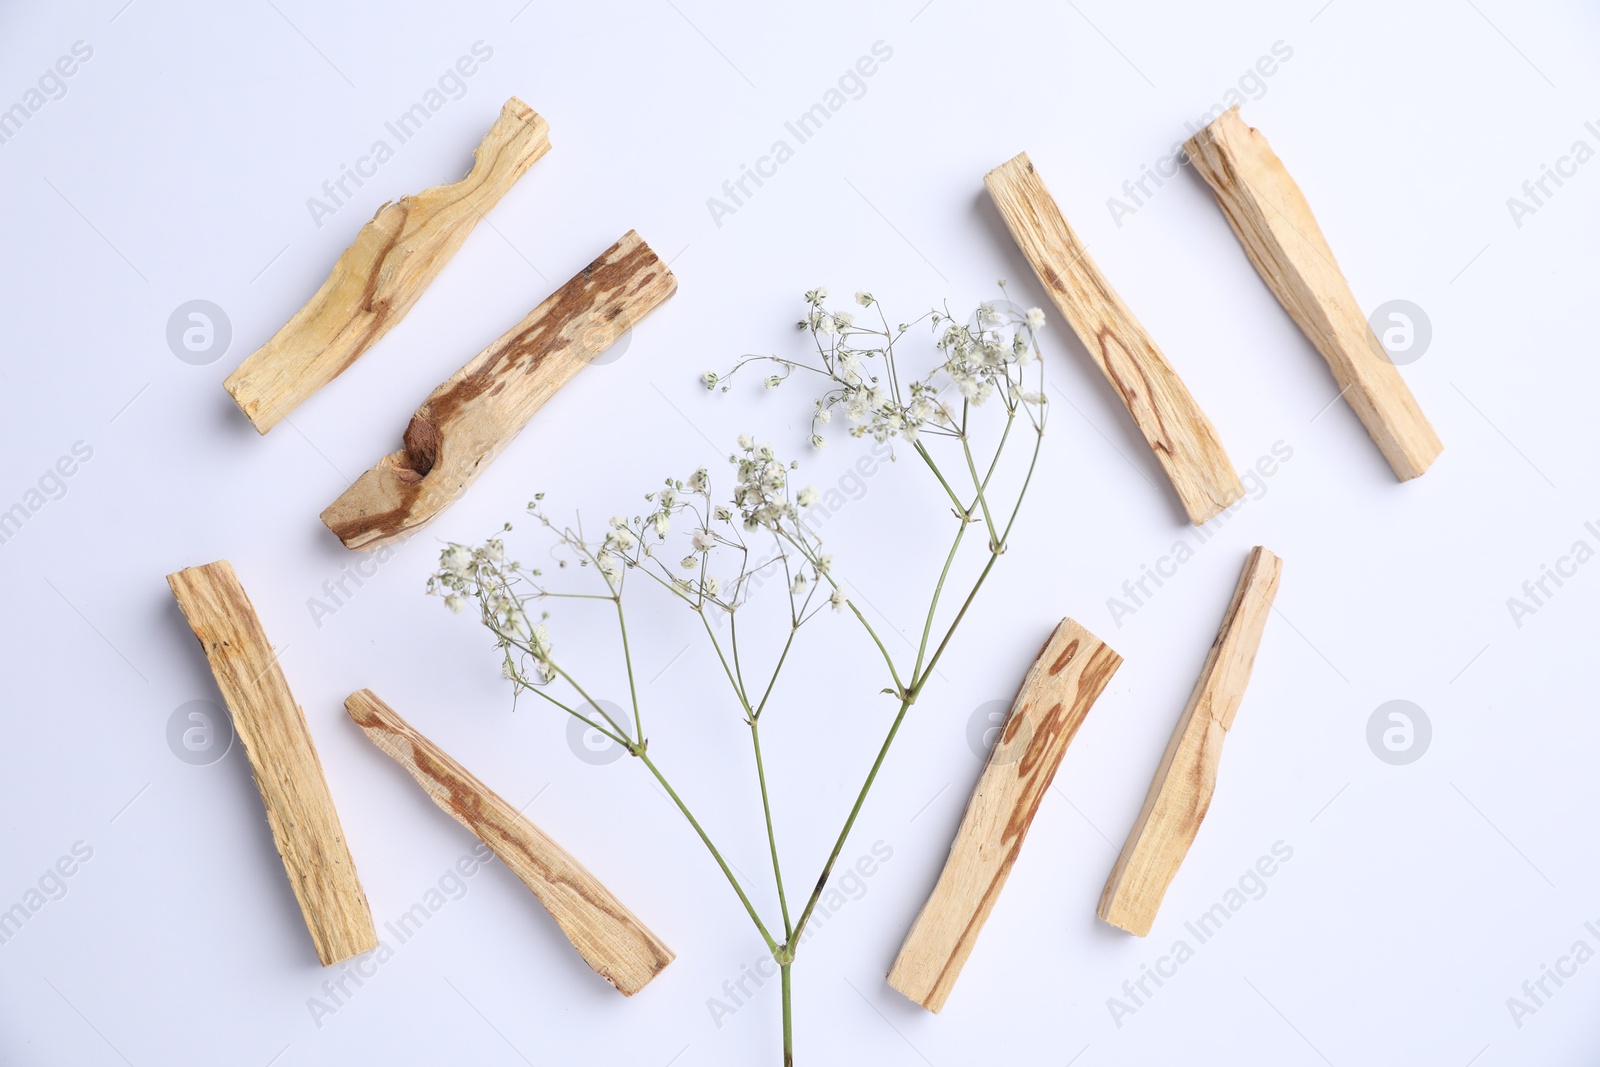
column 761, row 503
column 482, row 575
column 981, row 360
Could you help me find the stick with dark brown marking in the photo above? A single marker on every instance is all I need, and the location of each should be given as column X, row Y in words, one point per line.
column 380, row 276
column 1179, row 433
column 1273, row 222
column 300, row 811
column 1181, row 792
column 1064, row 682
column 608, row 936
column 464, row 424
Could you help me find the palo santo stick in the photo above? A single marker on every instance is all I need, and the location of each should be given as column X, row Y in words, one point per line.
column 1181, row 436
column 608, row 936
column 380, row 276
column 300, row 811
column 464, row 423
column 1070, row 673
column 1184, row 782
column 1272, row 220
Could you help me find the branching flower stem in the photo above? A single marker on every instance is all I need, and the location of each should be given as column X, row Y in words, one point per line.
column 981, row 363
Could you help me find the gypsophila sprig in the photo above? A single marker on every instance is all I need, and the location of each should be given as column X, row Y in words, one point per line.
column 983, row 358
column 955, row 409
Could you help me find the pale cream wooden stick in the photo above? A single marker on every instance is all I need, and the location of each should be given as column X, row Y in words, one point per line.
column 1179, row 433
column 380, row 276
column 305, row 826
column 1186, row 778
column 1071, row 671
column 1271, row 218
column 608, row 936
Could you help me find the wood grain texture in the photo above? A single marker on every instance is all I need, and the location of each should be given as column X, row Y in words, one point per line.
column 467, row 421
column 1179, row 433
column 1184, row 782
column 380, row 276
column 300, row 811
column 608, row 936
column 1271, row 218
column 1063, row 683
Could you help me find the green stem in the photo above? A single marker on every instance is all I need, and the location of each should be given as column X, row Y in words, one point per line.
column 687, row 814
column 861, row 798
column 922, row 450
column 627, row 658
column 788, row 1017
column 772, row 837
column 793, row 629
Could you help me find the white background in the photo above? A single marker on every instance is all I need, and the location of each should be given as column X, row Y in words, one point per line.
column 1419, row 897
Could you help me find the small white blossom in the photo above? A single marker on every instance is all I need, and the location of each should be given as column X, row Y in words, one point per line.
column 772, row 381
column 863, row 297
column 807, row 496
column 837, row 600
column 1034, row 318
column 799, row 586
column 700, row 480
column 456, row 559
column 746, row 442
column 688, row 563
column 722, row 513
column 828, row 324
column 712, row 586
column 456, row 603
column 823, row 416
column 703, row 540
column 710, row 379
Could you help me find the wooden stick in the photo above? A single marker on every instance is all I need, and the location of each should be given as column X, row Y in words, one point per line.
column 380, row 276
column 1070, row 673
column 464, row 424
column 1272, row 220
column 1177, row 430
column 608, row 936
column 1181, row 791
column 300, row 810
